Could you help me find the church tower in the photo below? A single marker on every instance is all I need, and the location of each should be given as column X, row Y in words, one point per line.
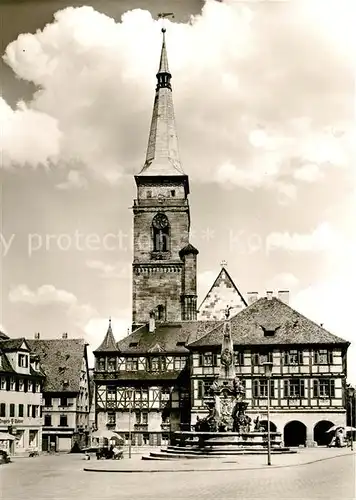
column 164, row 262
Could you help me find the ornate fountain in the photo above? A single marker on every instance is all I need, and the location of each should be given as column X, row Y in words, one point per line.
column 225, row 398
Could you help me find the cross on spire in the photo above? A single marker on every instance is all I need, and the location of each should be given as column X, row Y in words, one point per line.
column 223, row 263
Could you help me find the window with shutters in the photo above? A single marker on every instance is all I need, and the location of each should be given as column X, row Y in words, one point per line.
column 324, row 388
column 131, row 364
column 63, row 421
column 179, row 362
column 47, row 420
column 23, row 360
column 111, row 364
column 293, row 357
column 48, row 401
column 12, row 384
column 208, row 359
column 157, row 364
column 239, row 358
column 21, row 410
column 141, row 397
column 2, row 383
column 30, row 386
column 258, row 358
column 259, row 388
column 294, row 388
column 12, row 410
column 323, row 357
column 204, row 388
column 111, row 393
column 101, row 364
column 2, row 410
column 111, row 418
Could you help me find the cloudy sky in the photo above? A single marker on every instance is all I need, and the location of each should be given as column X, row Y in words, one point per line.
column 265, row 106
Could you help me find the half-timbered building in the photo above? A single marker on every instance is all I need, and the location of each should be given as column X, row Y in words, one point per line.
column 154, row 380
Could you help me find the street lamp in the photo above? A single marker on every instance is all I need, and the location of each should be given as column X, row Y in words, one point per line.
column 351, row 394
column 129, row 392
column 268, row 372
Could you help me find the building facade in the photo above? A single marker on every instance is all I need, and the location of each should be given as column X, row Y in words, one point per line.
column 153, row 381
column 66, row 392
column 21, row 383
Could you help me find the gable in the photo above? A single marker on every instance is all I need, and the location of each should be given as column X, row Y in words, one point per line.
column 223, row 293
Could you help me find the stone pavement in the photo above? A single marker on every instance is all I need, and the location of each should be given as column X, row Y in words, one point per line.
column 240, row 462
column 61, row 477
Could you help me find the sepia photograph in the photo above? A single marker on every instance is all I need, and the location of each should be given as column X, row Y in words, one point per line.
column 177, row 249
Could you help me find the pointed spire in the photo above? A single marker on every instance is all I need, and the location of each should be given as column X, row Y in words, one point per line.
column 108, row 344
column 162, row 156
column 163, row 64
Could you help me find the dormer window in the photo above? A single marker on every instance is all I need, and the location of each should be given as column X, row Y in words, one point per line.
column 149, row 194
column 133, row 344
column 23, row 360
column 269, row 333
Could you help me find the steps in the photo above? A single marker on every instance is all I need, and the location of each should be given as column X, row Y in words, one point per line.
column 178, row 453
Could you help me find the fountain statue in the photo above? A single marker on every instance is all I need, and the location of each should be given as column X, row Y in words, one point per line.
column 225, row 397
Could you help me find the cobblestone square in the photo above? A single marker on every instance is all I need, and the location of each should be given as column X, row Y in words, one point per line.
column 61, row 477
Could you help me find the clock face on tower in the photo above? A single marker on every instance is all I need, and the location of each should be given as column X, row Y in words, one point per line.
column 160, row 221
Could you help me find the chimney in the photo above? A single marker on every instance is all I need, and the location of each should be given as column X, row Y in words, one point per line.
column 269, row 294
column 37, row 335
column 283, row 295
column 64, row 335
column 252, row 297
column 152, row 322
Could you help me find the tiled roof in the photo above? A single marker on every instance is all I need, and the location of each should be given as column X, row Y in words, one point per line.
column 165, row 338
column 291, row 327
column 3, row 336
column 13, row 344
column 108, row 344
column 223, row 293
column 188, row 249
column 61, row 361
column 5, row 365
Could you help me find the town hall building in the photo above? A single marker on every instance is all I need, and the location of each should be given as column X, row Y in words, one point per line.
column 153, row 381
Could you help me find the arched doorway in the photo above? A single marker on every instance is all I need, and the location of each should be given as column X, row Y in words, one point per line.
column 320, row 435
column 272, row 426
column 295, row 433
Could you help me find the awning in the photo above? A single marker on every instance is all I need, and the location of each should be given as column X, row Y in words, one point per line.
column 5, row 436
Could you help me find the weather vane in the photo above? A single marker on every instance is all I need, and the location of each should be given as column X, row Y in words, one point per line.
column 163, row 16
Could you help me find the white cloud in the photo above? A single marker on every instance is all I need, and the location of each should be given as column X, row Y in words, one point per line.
column 331, row 303
column 28, row 136
column 283, row 281
column 321, row 239
column 310, row 172
column 47, row 295
column 205, row 281
column 75, row 180
column 110, row 271
column 97, row 81
column 44, row 295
